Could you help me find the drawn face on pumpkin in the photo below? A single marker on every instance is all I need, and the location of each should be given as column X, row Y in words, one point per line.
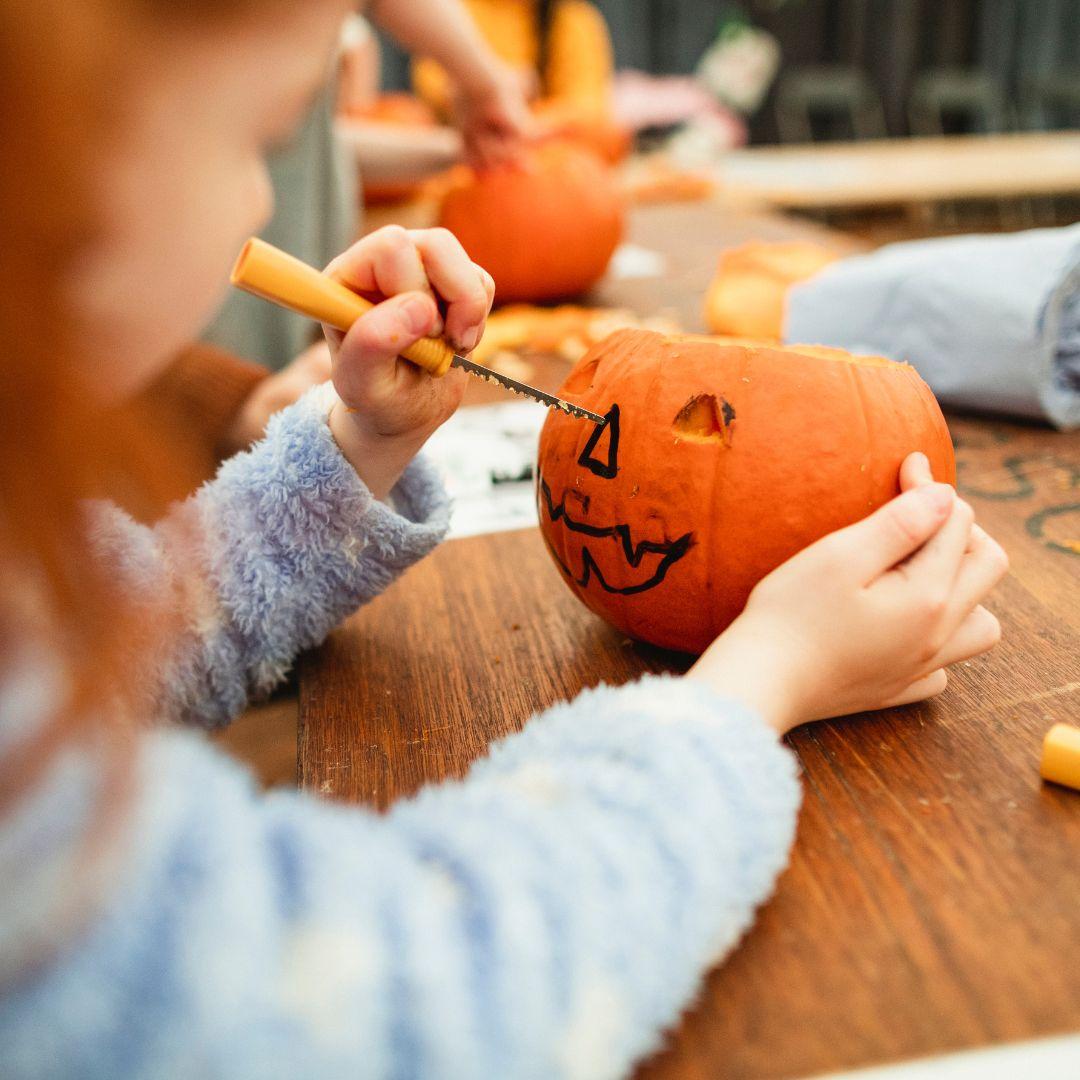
column 646, row 560
column 716, row 464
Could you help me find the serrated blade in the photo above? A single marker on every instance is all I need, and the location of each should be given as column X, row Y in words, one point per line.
column 550, row 400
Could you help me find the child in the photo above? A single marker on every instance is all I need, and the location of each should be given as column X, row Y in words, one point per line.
column 550, row 915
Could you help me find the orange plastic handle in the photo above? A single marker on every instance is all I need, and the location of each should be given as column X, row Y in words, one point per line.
column 266, row 271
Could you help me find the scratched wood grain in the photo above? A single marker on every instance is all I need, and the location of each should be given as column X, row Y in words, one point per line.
column 933, row 897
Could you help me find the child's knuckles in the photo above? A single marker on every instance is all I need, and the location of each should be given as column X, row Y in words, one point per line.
column 928, row 610
column 392, row 238
column 929, row 649
column 904, row 523
column 996, row 557
column 964, row 512
column 445, row 247
column 443, row 237
column 933, row 604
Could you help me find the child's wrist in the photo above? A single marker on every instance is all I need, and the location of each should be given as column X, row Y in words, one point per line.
column 747, row 663
column 379, row 460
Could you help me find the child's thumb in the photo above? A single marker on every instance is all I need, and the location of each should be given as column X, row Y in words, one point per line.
column 915, row 471
column 377, row 339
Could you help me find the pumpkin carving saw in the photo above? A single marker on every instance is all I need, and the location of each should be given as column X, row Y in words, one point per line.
column 716, row 464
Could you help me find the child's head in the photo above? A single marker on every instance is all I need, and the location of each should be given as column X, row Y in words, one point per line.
column 195, row 104
column 134, row 133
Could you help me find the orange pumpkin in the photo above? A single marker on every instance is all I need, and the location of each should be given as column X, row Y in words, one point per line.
column 611, row 142
column 746, row 297
column 544, row 229
column 717, row 463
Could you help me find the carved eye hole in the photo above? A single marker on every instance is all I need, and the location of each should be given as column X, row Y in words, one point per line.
column 601, row 453
column 705, row 419
column 582, row 379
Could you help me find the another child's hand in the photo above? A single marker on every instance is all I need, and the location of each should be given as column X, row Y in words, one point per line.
column 868, row 617
column 391, row 406
column 274, row 393
column 494, row 119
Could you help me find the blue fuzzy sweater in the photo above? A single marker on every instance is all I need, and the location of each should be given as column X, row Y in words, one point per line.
column 547, row 917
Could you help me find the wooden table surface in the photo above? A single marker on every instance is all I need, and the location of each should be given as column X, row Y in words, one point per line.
column 890, row 171
column 933, row 897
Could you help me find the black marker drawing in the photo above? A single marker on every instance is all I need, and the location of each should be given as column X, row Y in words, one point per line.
column 1036, row 527
column 1020, row 472
column 671, row 552
column 606, row 469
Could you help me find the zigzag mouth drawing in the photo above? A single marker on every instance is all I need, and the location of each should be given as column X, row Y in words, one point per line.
column 669, row 552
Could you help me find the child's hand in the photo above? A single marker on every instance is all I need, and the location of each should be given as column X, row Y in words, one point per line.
column 494, row 118
column 869, row 616
column 392, row 406
column 274, row 393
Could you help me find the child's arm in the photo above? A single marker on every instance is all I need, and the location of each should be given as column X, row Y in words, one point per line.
column 292, row 536
column 547, row 917
column 493, row 113
column 219, row 404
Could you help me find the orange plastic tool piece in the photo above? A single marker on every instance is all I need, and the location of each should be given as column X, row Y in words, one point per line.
column 267, row 272
column 1061, row 756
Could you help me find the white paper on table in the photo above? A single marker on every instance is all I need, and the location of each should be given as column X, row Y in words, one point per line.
column 487, row 457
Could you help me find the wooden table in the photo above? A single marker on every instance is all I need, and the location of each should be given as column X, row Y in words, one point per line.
column 891, row 171
column 933, row 896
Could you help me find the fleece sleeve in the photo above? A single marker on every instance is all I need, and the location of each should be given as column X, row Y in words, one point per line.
column 547, row 917
column 264, row 561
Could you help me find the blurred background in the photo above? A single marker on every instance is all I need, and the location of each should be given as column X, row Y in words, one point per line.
column 693, row 80
column 860, row 68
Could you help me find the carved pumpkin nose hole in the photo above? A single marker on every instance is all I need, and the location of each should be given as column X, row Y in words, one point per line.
column 705, row 418
column 582, row 379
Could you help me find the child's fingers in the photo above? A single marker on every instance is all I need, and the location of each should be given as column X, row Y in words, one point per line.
column 978, row 535
column 367, row 362
column 984, row 564
column 385, row 250
column 937, row 563
column 977, row 633
column 915, row 471
column 876, row 544
column 459, row 282
column 386, row 262
column 927, row 687
column 489, row 285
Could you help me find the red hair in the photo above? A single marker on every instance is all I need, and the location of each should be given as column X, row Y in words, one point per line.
column 66, row 69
